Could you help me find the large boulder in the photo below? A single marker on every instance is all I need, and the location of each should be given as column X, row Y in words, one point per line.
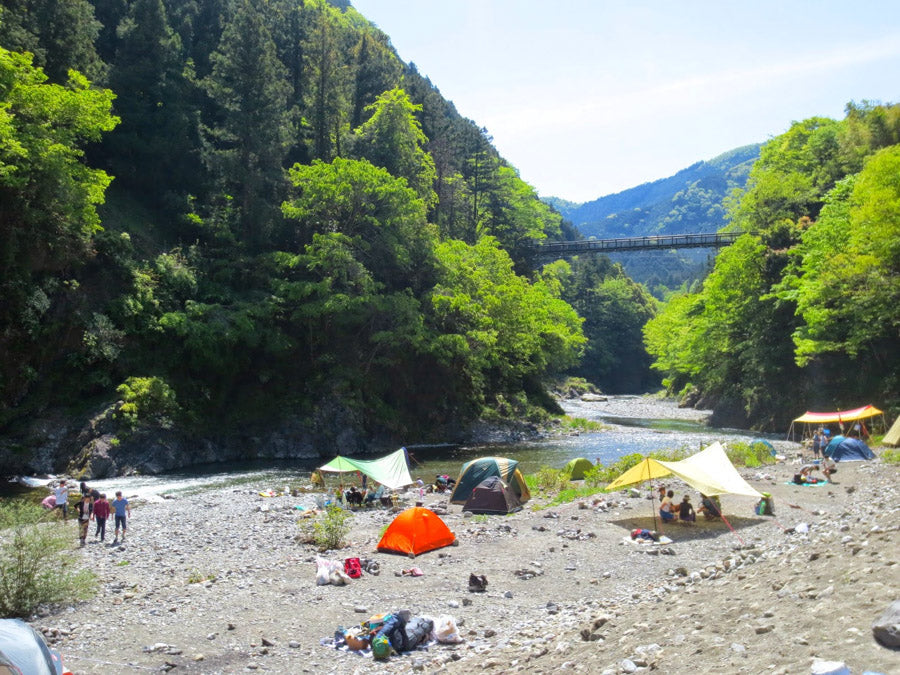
column 886, row 628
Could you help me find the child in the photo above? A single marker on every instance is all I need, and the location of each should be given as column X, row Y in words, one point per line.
column 666, row 512
column 101, row 513
column 123, row 510
column 84, row 509
column 686, row 511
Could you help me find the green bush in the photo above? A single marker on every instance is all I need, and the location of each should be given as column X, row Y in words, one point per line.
column 145, row 399
column 33, row 568
column 607, row 474
column 749, row 454
column 580, row 424
column 548, row 479
column 891, row 456
column 330, row 529
column 593, row 477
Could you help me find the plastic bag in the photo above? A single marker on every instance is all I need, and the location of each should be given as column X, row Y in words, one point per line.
column 445, row 630
column 325, row 570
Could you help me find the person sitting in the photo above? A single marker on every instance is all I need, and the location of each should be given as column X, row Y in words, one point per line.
column 666, row 512
column 686, row 512
column 386, row 498
column 828, row 468
column 710, row 507
column 353, row 496
column 804, row 478
column 372, row 496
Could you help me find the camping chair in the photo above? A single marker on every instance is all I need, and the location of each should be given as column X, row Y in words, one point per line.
column 373, row 497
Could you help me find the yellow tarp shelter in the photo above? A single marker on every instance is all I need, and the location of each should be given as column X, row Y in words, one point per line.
column 892, row 437
column 710, row 472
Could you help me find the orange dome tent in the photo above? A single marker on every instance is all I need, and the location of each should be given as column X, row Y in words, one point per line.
column 416, row 531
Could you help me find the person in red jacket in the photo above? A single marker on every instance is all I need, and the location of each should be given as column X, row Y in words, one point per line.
column 101, row 513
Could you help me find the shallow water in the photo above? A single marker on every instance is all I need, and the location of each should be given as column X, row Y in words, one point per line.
column 625, row 435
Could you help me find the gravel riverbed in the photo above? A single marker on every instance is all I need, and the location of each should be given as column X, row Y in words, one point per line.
column 218, row 582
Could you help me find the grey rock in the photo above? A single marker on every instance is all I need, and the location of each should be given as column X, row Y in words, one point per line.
column 886, row 629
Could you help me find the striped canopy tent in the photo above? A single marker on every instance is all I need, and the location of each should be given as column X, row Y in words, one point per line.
column 840, row 416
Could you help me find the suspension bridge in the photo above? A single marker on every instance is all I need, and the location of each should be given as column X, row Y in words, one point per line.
column 660, row 242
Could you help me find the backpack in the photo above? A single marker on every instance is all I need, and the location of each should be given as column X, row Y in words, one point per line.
column 353, row 568
column 381, row 648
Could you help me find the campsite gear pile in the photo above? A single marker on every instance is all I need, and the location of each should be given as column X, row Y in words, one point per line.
column 765, row 506
column 396, row 632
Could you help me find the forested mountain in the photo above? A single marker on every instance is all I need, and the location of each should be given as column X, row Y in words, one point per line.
column 804, row 315
column 693, row 200
column 228, row 213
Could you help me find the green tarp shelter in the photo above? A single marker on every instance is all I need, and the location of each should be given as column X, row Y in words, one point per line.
column 576, row 468
column 391, row 471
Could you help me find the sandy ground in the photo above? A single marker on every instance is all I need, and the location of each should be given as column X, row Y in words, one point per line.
column 566, row 588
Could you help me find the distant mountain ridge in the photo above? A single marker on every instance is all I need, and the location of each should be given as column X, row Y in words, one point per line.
column 692, row 200
column 689, row 201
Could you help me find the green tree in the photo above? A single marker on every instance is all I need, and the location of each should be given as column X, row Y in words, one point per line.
column 376, row 69
column 848, row 289
column 382, row 219
column 153, row 150
column 48, row 216
column 494, row 330
column 34, row 565
column 392, row 138
column 59, row 33
column 328, row 92
column 614, row 309
column 248, row 137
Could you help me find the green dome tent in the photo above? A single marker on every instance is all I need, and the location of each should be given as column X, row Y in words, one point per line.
column 577, row 467
column 478, row 469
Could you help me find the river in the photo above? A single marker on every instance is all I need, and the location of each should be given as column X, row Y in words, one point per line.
column 634, row 424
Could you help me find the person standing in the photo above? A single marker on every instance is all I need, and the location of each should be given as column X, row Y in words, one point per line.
column 101, row 513
column 816, row 444
column 61, row 493
column 84, row 509
column 123, row 512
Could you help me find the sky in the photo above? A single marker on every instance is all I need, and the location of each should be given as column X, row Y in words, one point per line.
column 590, row 97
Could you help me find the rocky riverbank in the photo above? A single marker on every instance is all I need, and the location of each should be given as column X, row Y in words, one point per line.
column 219, row 583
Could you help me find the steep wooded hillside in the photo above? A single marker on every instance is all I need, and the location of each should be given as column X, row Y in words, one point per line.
column 230, row 214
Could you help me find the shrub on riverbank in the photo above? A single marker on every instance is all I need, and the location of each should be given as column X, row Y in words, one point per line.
column 328, row 531
column 891, row 456
column 749, row 454
column 33, row 566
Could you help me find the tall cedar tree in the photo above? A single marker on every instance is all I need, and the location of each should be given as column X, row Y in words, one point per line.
column 154, row 146
column 247, row 141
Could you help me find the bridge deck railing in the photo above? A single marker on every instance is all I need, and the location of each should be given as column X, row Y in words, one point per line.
column 703, row 240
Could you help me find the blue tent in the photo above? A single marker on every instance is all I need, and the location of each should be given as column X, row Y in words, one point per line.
column 842, row 449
